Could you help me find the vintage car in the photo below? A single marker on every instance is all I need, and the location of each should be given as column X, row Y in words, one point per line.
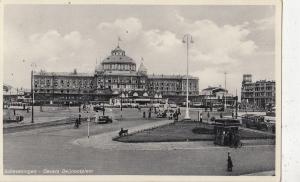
column 258, row 122
column 98, row 108
column 14, row 119
column 103, row 120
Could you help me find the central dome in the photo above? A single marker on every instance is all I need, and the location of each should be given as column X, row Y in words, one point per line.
column 118, row 56
column 118, row 61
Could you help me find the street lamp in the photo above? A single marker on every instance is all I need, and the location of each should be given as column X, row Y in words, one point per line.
column 33, row 65
column 187, row 38
column 225, row 73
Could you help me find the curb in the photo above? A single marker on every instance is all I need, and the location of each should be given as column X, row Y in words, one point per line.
column 20, row 128
column 141, row 130
column 263, row 173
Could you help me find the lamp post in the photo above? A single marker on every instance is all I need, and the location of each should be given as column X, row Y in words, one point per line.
column 187, row 38
column 122, row 96
column 225, row 73
column 33, row 65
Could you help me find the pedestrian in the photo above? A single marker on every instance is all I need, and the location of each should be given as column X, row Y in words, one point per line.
column 232, row 115
column 77, row 123
column 222, row 138
column 27, row 109
column 14, row 112
column 175, row 116
column 79, row 119
column 221, row 115
column 149, row 115
column 201, row 118
column 144, row 114
column 208, row 115
column 229, row 163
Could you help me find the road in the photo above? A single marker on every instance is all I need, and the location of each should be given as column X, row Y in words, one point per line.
column 52, row 149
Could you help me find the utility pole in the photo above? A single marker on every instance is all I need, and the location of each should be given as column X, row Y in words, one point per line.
column 32, row 98
column 33, row 65
column 225, row 73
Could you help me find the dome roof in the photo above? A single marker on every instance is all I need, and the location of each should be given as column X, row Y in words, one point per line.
column 118, row 59
column 142, row 68
column 118, row 56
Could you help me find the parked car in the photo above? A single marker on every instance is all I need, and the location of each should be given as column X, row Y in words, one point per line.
column 258, row 122
column 103, row 120
column 99, row 108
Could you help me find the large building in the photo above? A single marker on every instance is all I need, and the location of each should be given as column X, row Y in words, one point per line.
column 117, row 74
column 259, row 94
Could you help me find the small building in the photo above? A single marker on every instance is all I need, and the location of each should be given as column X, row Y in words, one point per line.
column 216, row 97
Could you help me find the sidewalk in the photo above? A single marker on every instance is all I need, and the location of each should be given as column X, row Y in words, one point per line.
column 264, row 173
column 105, row 140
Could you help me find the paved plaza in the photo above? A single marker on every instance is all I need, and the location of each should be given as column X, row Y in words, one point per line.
column 64, row 147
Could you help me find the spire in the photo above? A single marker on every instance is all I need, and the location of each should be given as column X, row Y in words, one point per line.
column 119, row 40
column 142, row 68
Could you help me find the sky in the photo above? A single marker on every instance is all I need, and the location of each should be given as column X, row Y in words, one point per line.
column 60, row 38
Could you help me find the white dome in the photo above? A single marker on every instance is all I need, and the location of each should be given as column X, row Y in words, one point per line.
column 142, row 68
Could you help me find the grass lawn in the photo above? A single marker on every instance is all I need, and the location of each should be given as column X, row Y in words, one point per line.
column 183, row 131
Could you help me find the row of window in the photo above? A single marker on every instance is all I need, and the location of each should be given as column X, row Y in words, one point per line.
column 124, row 67
column 120, row 81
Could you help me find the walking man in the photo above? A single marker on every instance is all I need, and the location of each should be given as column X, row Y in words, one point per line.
column 229, row 163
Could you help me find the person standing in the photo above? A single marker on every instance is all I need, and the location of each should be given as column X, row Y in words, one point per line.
column 179, row 113
column 201, row 118
column 79, row 119
column 208, row 115
column 229, row 163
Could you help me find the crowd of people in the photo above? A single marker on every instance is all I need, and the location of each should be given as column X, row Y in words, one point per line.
column 169, row 113
column 228, row 138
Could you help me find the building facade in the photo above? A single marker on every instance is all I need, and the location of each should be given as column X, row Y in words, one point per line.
column 257, row 95
column 115, row 75
column 217, row 97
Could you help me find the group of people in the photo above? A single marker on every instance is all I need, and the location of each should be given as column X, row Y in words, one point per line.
column 228, row 138
column 166, row 113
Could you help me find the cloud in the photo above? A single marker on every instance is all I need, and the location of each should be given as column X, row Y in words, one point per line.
column 50, row 50
column 213, row 45
column 265, row 23
column 216, row 48
column 128, row 28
